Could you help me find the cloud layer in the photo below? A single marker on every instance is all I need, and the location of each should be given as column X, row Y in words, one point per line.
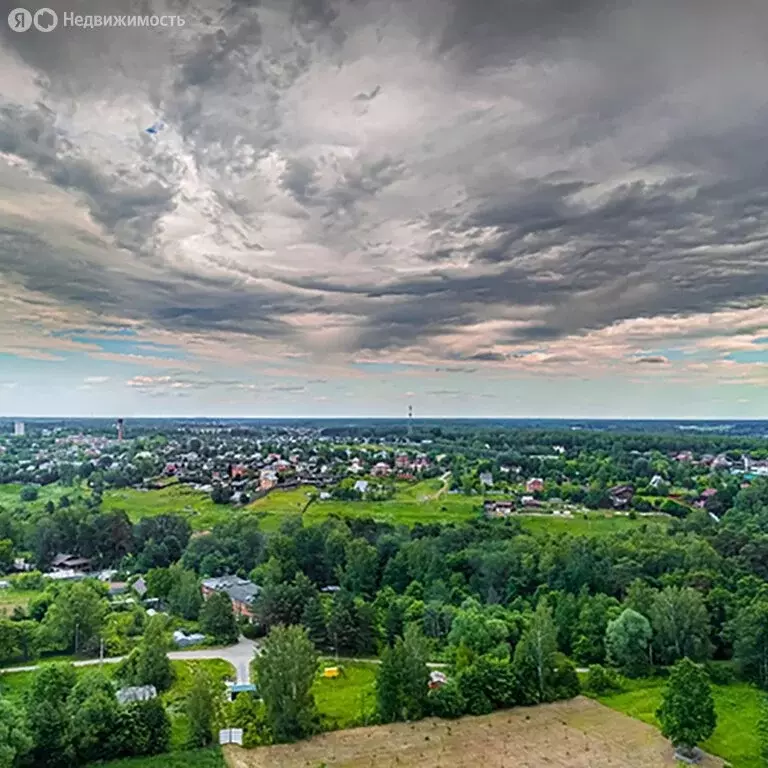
column 525, row 187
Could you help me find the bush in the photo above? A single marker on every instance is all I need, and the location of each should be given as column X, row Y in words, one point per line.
column 252, row 631
column 601, row 681
column 721, row 672
column 447, row 701
column 31, row 581
column 565, row 682
column 29, row 493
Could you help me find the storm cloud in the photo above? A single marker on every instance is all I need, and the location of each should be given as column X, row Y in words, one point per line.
column 453, row 178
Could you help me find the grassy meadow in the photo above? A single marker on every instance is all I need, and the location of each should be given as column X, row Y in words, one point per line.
column 10, row 495
column 350, row 699
column 737, row 705
column 426, row 501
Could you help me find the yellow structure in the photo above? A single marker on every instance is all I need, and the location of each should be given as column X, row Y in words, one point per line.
column 331, row 672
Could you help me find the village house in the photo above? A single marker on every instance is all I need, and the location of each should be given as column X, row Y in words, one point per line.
column 621, row 496
column 381, row 469
column 534, row 485
column 402, row 461
column 241, row 592
column 64, row 562
column 499, row 508
column 706, row 494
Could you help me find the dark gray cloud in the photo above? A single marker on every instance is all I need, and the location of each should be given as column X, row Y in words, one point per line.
column 400, row 170
column 652, row 360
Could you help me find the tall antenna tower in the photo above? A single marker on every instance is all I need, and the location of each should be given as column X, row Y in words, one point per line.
column 410, row 419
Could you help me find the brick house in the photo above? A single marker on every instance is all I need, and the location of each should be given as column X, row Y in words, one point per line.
column 241, row 592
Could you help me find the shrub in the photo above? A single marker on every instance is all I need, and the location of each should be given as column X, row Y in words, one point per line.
column 447, row 701
column 601, row 681
column 721, row 672
column 565, row 682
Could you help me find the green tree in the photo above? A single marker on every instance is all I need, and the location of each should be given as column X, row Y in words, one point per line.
column 9, row 640
column 184, row 597
column 249, row 714
column 750, row 642
column 447, row 701
column 389, row 675
column 286, row 671
column 313, row 619
column 627, row 641
column 402, row 679
column 75, row 619
column 535, row 654
column 687, row 711
column 200, row 708
column 148, row 664
column 94, row 719
column 680, row 624
column 45, row 702
column 359, row 574
column 15, row 741
column 218, row 619
column 601, row 680
column 145, row 728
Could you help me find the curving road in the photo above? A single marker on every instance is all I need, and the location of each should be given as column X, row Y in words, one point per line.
column 238, row 655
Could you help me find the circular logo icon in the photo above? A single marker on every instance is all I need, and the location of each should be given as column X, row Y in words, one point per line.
column 45, row 20
column 19, row 19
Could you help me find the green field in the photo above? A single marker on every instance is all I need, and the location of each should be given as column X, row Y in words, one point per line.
column 422, row 502
column 201, row 512
column 738, row 710
column 9, row 495
column 348, row 700
column 11, row 598
column 595, row 524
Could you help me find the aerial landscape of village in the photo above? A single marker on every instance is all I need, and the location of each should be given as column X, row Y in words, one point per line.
column 200, row 590
column 383, row 384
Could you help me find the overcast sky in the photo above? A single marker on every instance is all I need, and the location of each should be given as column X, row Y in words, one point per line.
column 477, row 207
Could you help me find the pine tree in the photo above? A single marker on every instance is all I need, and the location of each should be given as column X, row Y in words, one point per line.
column 314, row 621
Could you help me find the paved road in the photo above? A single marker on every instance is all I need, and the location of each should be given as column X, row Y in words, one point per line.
column 238, row 655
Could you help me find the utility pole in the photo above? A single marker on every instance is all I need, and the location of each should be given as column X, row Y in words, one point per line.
column 77, row 637
column 101, row 652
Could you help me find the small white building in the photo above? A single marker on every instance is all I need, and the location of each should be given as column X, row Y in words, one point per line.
column 136, row 693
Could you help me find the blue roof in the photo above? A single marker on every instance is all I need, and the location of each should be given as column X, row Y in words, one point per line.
column 243, row 687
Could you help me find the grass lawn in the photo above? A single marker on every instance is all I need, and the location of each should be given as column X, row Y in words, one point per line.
column 9, row 495
column 196, row 506
column 413, row 503
column 11, row 598
column 198, row 758
column 596, row 523
column 348, row 700
column 738, row 710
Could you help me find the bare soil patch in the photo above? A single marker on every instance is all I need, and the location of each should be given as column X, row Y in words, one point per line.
column 575, row 734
